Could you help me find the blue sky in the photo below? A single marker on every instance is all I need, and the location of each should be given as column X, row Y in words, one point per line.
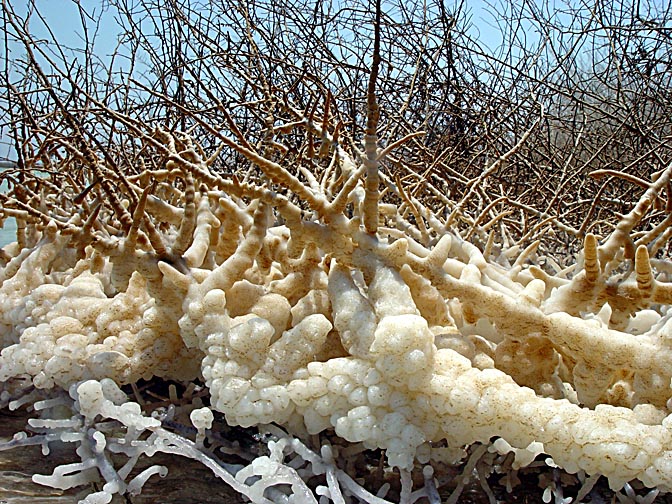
column 64, row 20
column 62, row 17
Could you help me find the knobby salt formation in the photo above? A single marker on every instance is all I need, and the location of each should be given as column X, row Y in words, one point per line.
column 330, row 307
column 293, row 313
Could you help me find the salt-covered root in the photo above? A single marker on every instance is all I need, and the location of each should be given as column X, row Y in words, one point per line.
column 106, row 423
column 246, row 391
column 94, row 400
column 104, row 397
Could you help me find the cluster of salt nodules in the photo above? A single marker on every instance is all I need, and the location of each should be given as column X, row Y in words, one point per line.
column 61, row 328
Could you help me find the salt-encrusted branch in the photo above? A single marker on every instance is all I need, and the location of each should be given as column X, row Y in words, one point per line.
column 371, row 161
column 620, row 237
column 206, row 224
